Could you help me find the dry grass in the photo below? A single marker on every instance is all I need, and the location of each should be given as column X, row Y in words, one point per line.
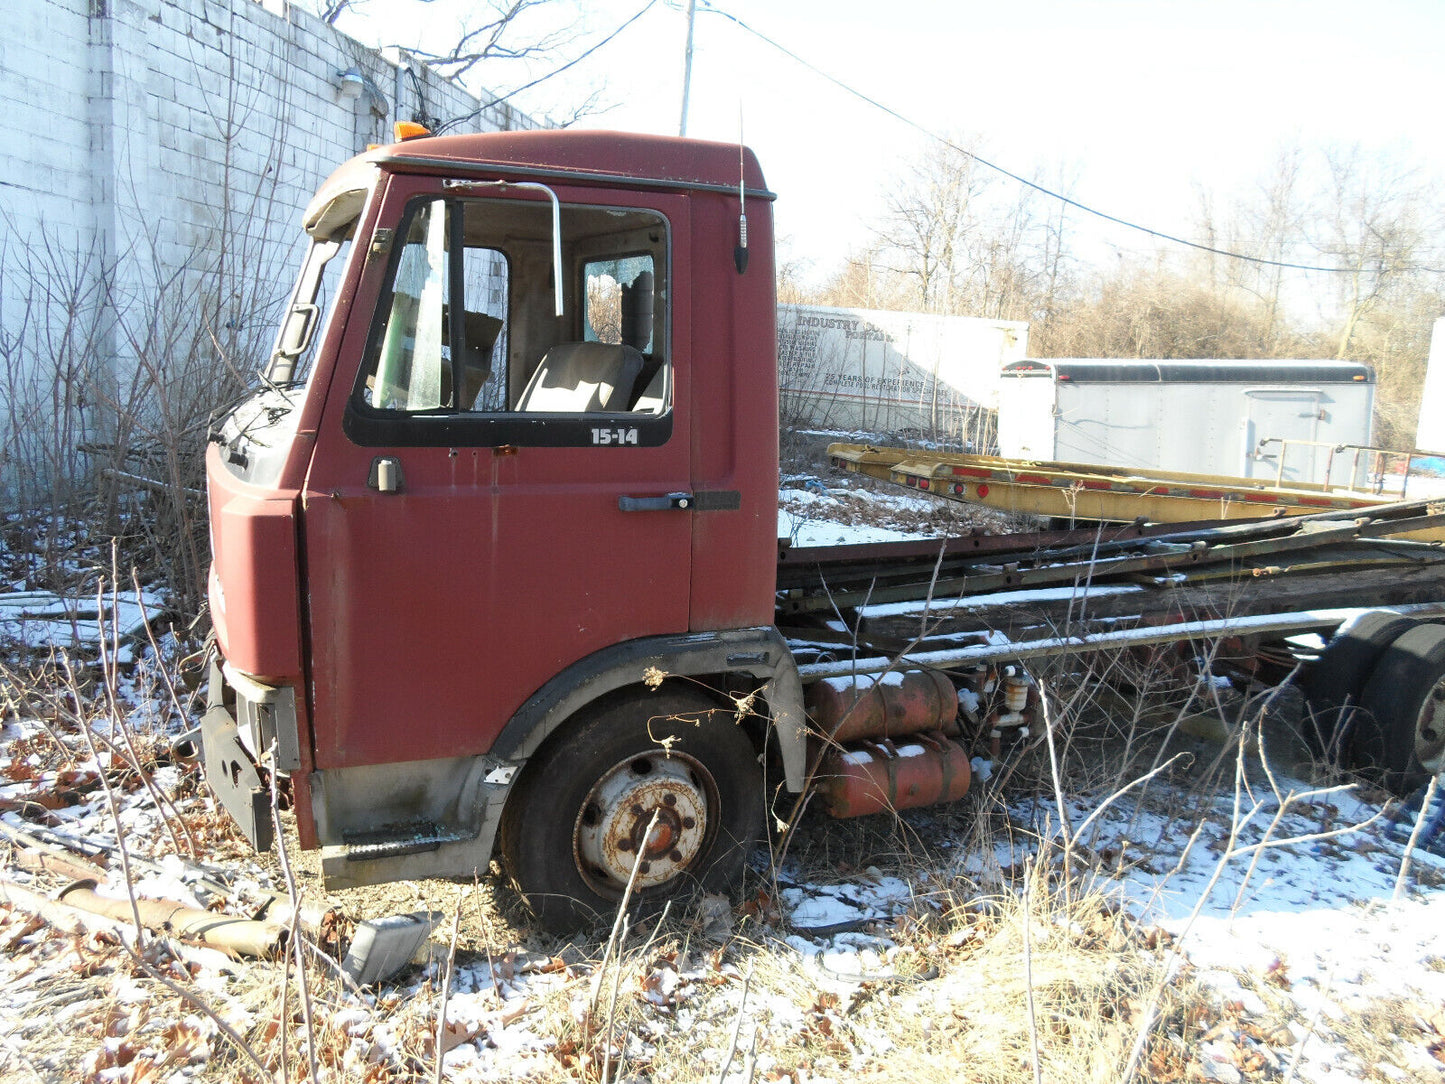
column 949, row 980
column 1010, row 960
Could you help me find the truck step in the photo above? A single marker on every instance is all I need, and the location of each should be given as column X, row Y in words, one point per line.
column 395, row 840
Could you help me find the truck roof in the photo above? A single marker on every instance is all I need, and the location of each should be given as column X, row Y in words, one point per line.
column 1192, row 370
column 647, row 160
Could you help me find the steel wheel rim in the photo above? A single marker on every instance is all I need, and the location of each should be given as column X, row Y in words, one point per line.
column 616, row 813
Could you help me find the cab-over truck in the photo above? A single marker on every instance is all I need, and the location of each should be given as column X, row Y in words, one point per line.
column 495, row 559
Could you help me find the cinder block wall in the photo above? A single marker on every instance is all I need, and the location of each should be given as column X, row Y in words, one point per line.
column 157, row 156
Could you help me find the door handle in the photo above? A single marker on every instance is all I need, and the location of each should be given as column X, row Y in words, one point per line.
column 671, row 501
column 386, row 475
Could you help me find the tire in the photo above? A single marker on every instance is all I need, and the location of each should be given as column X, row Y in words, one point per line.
column 1400, row 740
column 1333, row 682
column 572, row 826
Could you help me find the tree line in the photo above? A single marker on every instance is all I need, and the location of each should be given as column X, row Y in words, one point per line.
column 957, row 238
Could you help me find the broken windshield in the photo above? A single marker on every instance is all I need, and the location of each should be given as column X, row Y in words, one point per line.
column 331, row 228
column 315, row 293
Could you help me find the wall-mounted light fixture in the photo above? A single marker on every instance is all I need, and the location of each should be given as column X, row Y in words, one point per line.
column 350, row 83
column 353, row 83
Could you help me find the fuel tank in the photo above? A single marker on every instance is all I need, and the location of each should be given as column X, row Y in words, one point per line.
column 890, row 705
column 877, row 776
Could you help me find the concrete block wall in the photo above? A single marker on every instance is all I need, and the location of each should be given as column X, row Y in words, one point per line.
column 160, row 150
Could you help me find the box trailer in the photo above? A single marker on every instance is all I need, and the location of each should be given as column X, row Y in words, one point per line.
column 894, row 372
column 1253, row 419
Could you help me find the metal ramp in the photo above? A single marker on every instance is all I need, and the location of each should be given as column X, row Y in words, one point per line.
column 1086, row 491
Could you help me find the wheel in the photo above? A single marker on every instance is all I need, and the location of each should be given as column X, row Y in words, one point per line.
column 1400, row 741
column 574, row 825
column 1332, row 684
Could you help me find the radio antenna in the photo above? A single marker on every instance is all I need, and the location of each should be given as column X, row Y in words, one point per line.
column 740, row 253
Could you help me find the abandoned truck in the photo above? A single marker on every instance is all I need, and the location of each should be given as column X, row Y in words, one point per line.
column 495, row 560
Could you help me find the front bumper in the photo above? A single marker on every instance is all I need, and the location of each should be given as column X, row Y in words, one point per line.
column 234, row 779
column 262, row 723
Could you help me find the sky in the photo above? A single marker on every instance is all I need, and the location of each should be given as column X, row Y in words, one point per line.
column 1140, row 105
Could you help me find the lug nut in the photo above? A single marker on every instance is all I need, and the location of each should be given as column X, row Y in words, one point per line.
column 675, row 856
column 645, row 867
column 688, row 822
column 669, row 799
column 624, row 844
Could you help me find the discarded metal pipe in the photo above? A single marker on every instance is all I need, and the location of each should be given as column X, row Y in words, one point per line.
column 186, row 748
column 890, row 705
column 979, row 654
column 243, row 936
column 882, row 775
column 46, row 861
column 278, row 911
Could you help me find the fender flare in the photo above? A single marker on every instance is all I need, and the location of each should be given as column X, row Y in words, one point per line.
column 761, row 652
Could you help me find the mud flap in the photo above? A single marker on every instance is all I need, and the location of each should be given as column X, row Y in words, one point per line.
column 234, row 779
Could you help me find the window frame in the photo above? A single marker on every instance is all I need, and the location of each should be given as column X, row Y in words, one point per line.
column 370, row 426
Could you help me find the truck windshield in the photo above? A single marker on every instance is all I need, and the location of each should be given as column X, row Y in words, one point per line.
column 331, row 232
column 315, row 291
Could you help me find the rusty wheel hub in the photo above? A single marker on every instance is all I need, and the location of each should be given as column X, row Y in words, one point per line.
column 1430, row 729
column 612, row 830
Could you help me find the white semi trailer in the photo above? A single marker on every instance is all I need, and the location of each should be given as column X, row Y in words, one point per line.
column 1251, row 419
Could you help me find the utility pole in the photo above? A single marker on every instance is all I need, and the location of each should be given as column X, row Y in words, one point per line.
column 687, row 66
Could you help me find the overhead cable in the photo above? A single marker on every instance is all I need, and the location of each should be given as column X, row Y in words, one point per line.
column 910, row 122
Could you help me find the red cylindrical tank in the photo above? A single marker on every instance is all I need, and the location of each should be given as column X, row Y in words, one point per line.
column 883, row 775
column 888, row 705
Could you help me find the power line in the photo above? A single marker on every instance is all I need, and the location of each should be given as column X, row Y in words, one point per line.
column 910, row 122
column 543, row 78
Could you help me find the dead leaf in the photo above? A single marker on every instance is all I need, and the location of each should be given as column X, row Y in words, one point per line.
column 515, row 1013
column 454, row 1034
column 1278, row 973
column 1436, row 1020
column 26, row 928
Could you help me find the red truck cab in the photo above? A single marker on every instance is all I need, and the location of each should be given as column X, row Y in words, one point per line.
column 494, row 544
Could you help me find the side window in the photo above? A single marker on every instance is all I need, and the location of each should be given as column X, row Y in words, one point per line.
column 406, row 369
column 619, row 298
column 467, row 346
column 484, row 345
column 417, row 355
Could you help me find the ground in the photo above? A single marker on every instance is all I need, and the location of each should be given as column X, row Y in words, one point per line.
column 1136, row 902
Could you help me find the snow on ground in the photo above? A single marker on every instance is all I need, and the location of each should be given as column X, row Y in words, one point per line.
column 40, row 620
column 1293, row 894
column 1281, row 902
column 816, row 515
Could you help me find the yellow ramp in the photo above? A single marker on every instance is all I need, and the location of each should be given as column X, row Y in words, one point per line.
column 1091, row 491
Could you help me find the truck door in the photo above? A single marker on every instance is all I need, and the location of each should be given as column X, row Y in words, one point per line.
column 488, row 502
column 1281, row 414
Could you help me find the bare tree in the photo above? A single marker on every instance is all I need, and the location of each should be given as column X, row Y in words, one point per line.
column 932, row 216
column 961, row 241
column 1276, row 224
column 1374, row 226
column 503, row 30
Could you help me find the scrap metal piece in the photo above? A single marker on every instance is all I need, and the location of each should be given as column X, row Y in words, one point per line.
column 383, row 947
